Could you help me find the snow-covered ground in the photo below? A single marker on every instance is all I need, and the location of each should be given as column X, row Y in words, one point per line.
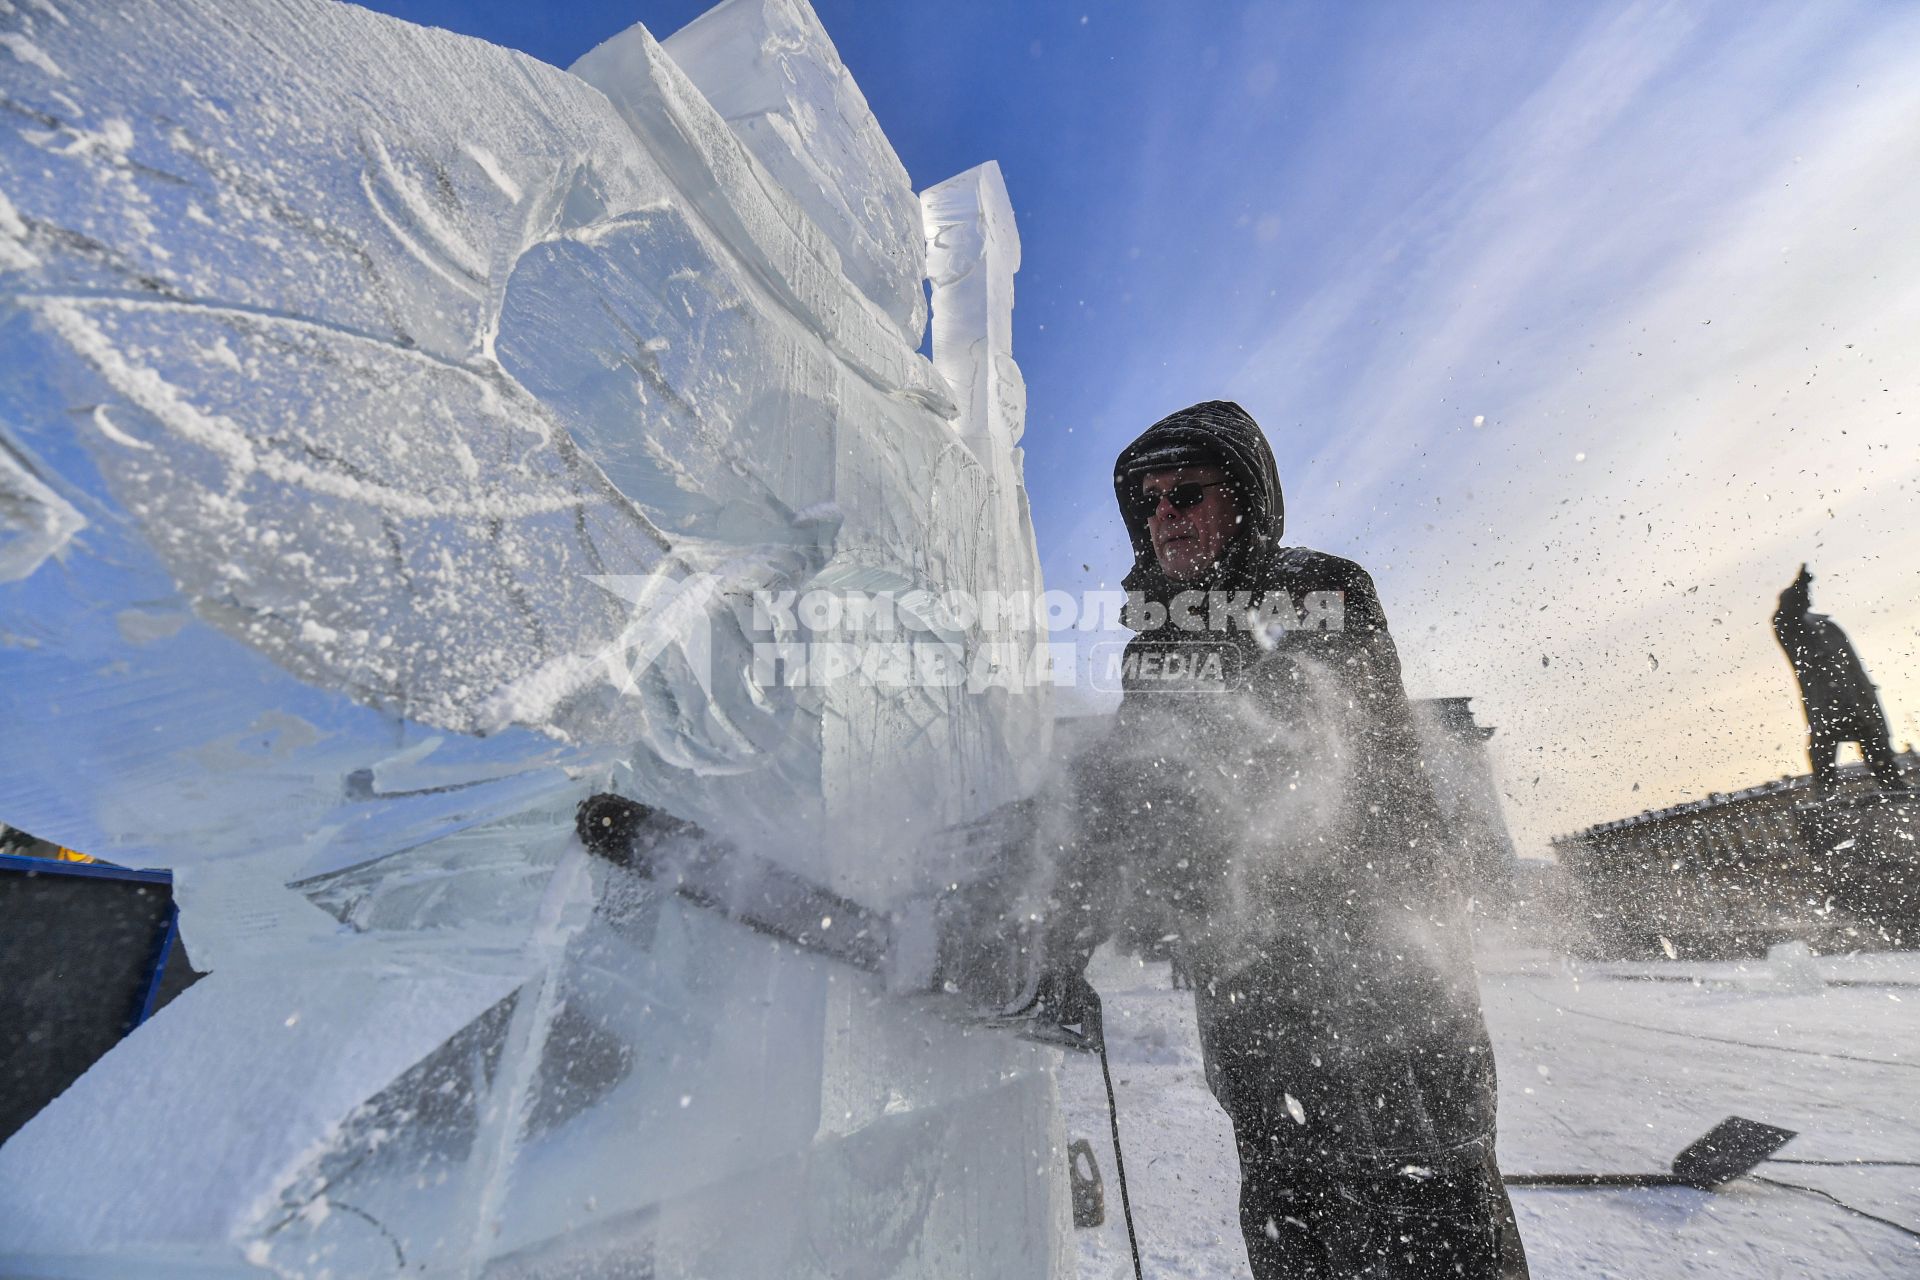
column 1604, row 1068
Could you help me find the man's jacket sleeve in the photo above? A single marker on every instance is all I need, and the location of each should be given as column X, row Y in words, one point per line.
column 1393, row 817
column 1401, row 816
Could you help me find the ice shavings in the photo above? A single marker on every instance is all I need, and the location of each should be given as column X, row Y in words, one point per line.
column 30, row 53
column 14, row 254
column 51, row 10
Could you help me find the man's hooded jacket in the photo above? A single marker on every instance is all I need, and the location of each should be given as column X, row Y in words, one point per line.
column 1263, row 797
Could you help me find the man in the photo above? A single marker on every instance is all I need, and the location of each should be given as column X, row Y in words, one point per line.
column 1263, row 788
column 1840, row 700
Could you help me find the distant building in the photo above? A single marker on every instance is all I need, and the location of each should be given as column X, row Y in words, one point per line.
column 1735, row 873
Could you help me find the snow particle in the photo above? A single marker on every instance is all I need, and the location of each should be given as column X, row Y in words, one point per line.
column 31, row 54
column 1294, row 1109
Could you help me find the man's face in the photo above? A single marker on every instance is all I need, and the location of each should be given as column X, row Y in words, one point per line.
column 1186, row 543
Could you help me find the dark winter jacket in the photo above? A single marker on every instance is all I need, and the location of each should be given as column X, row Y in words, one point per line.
column 1263, row 797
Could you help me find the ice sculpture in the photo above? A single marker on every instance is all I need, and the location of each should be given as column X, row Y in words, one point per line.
column 394, row 432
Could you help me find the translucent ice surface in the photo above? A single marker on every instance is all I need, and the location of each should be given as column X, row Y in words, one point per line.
column 768, row 67
column 395, row 432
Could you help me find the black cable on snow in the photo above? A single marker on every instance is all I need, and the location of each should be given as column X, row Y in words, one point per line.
column 1616, row 1181
column 1744, row 1044
column 1119, row 1163
column 1671, row 1180
column 1901, row 1227
column 1703, row 980
column 1847, row 1164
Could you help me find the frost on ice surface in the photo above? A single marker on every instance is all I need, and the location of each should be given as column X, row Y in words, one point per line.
column 394, row 433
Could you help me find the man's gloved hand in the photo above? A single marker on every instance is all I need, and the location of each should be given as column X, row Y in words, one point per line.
column 1066, row 999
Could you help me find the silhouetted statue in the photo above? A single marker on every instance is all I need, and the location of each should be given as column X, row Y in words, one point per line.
column 1841, row 703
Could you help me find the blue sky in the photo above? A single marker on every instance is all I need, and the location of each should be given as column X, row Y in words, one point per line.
column 1662, row 253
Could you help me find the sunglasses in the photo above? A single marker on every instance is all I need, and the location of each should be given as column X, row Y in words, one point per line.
column 1184, row 497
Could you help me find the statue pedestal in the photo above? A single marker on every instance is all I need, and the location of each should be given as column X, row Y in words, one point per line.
column 1865, row 847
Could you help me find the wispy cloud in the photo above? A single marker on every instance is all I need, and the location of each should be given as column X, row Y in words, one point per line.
column 1679, row 289
column 1673, row 277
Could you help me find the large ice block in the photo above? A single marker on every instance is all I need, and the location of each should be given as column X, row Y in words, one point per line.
column 769, row 67
column 394, row 433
